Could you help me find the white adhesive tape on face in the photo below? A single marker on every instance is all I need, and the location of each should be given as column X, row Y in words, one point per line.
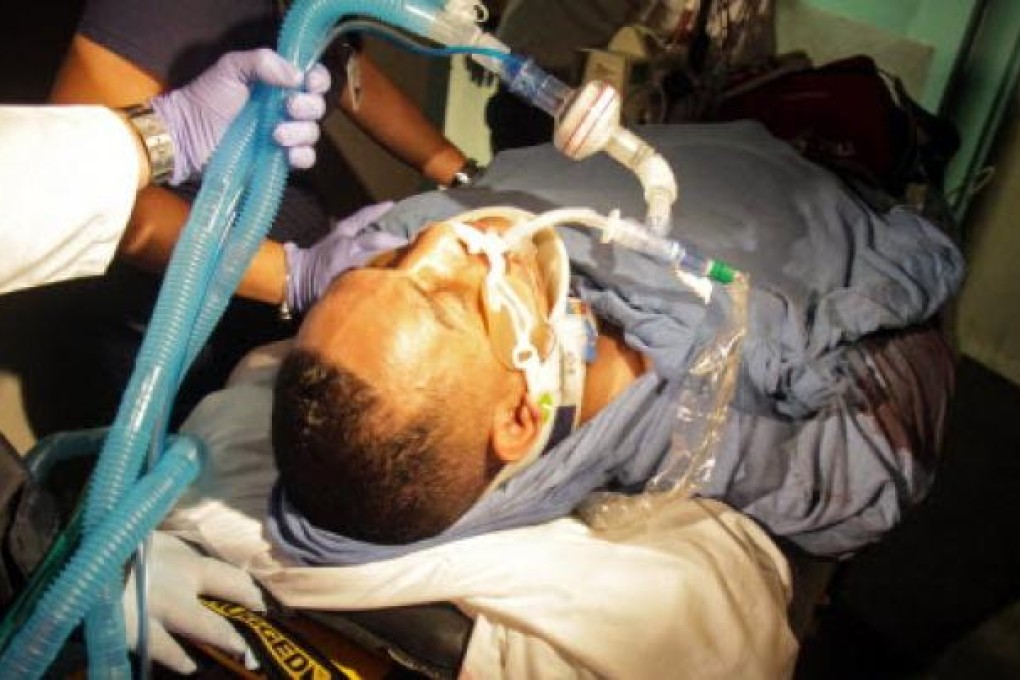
column 525, row 356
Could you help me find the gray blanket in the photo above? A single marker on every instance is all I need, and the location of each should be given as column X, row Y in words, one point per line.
column 837, row 413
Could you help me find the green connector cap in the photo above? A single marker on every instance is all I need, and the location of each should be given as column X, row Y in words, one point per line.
column 721, row 272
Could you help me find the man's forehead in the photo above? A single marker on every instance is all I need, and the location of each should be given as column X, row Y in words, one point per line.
column 370, row 325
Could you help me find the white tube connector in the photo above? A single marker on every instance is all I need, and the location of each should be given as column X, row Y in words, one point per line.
column 456, row 25
column 654, row 173
column 629, row 234
column 590, row 122
column 657, row 179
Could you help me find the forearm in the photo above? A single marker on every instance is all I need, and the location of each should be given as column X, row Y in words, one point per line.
column 93, row 74
column 155, row 226
column 388, row 116
column 265, row 280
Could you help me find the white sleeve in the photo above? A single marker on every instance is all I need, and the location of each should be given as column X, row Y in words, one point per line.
column 68, row 178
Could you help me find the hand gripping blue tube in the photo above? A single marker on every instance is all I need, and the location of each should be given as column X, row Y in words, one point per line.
column 307, row 30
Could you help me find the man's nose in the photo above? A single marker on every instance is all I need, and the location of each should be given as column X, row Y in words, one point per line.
column 438, row 251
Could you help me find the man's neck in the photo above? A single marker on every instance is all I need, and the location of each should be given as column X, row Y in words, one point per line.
column 615, row 367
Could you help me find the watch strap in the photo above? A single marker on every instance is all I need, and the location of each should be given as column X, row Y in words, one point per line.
column 467, row 175
column 156, row 139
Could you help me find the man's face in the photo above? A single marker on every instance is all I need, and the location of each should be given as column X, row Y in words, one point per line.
column 419, row 317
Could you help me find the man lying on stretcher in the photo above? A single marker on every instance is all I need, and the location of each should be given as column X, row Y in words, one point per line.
column 400, row 409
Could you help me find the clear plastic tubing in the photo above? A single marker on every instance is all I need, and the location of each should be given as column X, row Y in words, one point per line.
column 589, row 113
column 631, row 235
column 587, row 121
column 537, row 87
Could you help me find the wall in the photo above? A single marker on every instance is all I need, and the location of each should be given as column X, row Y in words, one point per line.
column 917, row 40
column 464, row 122
column 987, row 320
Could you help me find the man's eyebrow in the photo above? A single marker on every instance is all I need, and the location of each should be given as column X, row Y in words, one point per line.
column 442, row 316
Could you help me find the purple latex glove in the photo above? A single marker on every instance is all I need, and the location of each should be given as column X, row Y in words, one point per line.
column 198, row 114
column 311, row 270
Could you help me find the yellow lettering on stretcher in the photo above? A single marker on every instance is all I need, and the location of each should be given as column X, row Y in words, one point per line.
column 289, row 655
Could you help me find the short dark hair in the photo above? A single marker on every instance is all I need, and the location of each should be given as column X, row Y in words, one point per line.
column 348, row 468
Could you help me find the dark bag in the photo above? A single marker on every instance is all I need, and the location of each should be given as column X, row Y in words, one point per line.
column 853, row 119
column 29, row 521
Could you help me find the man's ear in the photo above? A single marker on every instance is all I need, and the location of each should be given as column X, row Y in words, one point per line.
column 517, row 422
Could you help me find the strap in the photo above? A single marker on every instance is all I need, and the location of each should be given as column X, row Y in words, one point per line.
column 158, row 143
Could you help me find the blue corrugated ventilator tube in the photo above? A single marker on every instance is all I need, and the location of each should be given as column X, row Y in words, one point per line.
column 240, row 195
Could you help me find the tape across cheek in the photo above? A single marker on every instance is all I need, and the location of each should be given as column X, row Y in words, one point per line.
column 503, row 335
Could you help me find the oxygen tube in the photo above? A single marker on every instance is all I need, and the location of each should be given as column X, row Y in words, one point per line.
column 630, row 235
column 103, row 550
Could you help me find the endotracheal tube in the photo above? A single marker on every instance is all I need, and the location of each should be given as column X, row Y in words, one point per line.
column 629, row 234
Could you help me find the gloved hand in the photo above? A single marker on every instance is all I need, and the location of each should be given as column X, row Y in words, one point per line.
column 198, row 114
column 311, row 270
column 178, row 574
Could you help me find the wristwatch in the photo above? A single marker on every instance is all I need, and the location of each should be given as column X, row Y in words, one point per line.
column 467, row 175
column 156, row 139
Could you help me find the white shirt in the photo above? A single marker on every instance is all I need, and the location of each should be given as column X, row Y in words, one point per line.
column 694, row 589
column 68, row 178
